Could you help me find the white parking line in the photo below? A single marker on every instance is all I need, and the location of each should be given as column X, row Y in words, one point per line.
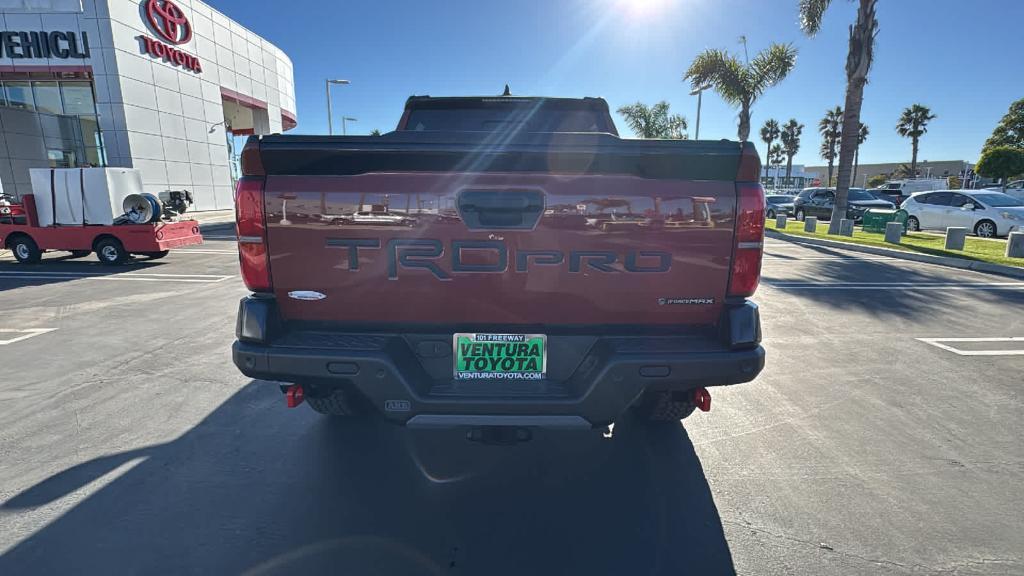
column 941, row 343
column 836, row 257
column 25, row 334
column 127, row 276
column 205, row 251
column 897, row 285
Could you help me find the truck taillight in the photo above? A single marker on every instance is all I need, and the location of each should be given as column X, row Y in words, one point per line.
column 746, row 259
column 251, row 221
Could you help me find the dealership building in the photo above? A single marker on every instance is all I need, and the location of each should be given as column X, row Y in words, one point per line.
column 163, row 86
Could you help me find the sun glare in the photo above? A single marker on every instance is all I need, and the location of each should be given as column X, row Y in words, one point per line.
column 645, row 8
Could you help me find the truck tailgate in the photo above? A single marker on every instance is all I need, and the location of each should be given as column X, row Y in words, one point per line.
column 428, row 236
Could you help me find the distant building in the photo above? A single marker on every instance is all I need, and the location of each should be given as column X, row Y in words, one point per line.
column 774, row 177
column 925, row 169
column 162, row 86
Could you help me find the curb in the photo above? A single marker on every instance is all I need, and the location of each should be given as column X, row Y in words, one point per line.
column 947, row 261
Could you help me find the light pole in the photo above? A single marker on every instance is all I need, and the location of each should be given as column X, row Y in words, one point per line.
column 330, row 119
column 344, row 130
column 698, row 92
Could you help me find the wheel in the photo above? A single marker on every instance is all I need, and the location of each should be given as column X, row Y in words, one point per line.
column 665, row 406
column 80, row 253
column 25, row 250
column 155, row 255
column 336, row 402
column 985, row 229
column 111, row 252
column 800, row 215
column 913, row 224
column 771, row 214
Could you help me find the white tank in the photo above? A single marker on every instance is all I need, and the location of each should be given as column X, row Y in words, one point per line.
column 82, row 196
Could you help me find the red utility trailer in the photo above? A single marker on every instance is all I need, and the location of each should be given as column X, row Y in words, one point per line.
column 112, row 244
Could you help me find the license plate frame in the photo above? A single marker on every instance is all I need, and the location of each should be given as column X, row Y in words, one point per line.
column 501, row 349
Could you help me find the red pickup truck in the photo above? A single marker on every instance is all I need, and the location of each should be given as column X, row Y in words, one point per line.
column 500, row 261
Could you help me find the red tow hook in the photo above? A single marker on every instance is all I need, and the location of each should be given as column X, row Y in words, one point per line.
column 702, row 399
column 294, row 395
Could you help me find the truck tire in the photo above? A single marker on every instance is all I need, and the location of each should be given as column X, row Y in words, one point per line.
column 111, row 252
column 25, row 249
column 337, row 402
column 664, row 406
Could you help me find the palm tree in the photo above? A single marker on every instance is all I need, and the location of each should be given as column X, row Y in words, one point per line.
column 790, row 136
column 902, row 172
column 654, row 121
column 769, row 134
column 775, row 157
column 831, row 129
column 740, row 84
column 858, row 63
column 861, row 137
column 913, row 124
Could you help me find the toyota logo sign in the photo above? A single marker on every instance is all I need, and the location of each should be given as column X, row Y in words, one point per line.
column 169, row 21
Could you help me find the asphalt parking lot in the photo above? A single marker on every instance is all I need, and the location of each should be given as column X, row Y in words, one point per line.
column 884, row 437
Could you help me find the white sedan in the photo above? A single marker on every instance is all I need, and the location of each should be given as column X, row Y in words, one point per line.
column 986, row 213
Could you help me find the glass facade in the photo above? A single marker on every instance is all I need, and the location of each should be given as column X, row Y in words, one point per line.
column 19, row 95
column 73, row 98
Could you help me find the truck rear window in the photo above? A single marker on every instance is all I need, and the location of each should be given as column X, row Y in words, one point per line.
column 531, row 117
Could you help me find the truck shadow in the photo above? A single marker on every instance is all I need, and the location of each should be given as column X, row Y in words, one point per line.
column 256, row 489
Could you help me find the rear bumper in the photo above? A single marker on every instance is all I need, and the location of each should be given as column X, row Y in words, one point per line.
column 389, row 370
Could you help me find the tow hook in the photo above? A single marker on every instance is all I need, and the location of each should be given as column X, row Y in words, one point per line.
column 702, row 399
column 294, row 395
column 499, row 435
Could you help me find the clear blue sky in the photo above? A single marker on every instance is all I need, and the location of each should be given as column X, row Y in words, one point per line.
column 962, row 59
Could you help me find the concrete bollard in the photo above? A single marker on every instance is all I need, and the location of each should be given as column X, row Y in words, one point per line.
column 780, row 222
column 893, row 232
column 1015, row 245
column 810, row 224
column 956, row 238
column 846, row 227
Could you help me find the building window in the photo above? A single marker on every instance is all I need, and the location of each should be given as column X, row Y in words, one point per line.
column 78, row 99
column 95, row 157
column 73, row 101
column 62, row 158
column 19, row 95
column 47, row 97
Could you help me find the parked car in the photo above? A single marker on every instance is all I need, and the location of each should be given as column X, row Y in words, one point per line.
column 1015, row 189
column 906, row 188
column 778, row 204
column 463, row 324
column 820, row 201
column 986, row 212
column 892, row 196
